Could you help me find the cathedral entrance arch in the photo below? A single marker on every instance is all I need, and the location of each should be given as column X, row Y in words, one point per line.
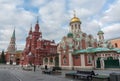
column 56, row 61
column 17, row 61
column 111, row 63
column 98, row 63
column 11, row 62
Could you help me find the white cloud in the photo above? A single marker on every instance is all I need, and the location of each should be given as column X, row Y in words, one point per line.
column 55, row 16
column 12, row 15
column 112, row 14
column 112, row 31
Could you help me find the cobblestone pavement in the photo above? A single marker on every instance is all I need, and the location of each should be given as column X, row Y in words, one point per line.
column 23, row 75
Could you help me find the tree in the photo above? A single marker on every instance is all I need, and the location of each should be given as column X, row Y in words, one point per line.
column 3, row 60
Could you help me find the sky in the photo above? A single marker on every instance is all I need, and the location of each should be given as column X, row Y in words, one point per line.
column 54, row 18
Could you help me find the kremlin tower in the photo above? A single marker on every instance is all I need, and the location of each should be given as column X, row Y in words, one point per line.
column 11, row 50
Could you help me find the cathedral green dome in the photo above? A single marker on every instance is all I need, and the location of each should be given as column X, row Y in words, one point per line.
column 100, row 32
column 70, row 34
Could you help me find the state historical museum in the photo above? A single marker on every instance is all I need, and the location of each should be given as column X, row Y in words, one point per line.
column 37, row 48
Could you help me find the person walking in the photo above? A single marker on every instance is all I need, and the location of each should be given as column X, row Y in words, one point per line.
column 34, row 68
column 46, row 67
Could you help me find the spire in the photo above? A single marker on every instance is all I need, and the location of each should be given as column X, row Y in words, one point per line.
column 100, row 31
column 74, row 13
column 12, row 45
column 13, row 35
column 31, row 28
column 30, row 32
column 37, row 25
column 37, row 19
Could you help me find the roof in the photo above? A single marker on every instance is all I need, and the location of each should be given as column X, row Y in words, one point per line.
column 100, row 32
column 92, row 50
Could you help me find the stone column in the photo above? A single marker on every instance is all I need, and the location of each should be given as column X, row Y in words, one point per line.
column 82, row 60
column 48, row 62
column 95, row 64
column 60, row 60
column 70, row 61
column 102, row 63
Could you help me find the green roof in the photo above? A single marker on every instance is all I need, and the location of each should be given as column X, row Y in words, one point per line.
column 100, row 32
column 91, row 50
column 115, row 49
column 99, row 49
column 13, row 35
column 118, row 51
column 69, row 34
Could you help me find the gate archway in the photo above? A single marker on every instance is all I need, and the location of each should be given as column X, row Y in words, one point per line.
column 98, row 63
column 56, row 61
column 111, row 63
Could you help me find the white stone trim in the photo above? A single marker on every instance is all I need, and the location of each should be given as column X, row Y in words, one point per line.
column 82, row 57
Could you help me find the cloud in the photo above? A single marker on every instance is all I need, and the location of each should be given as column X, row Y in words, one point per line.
column 112, row 13
column 55, row 16
column 13, row 16
column 112, row 31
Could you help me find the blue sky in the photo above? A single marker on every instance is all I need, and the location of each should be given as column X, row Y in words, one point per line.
column 55, row 15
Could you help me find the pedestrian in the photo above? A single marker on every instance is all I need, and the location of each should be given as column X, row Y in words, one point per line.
column 34, row 68
column 46, row 67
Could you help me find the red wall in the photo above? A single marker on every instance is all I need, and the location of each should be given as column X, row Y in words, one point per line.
column 76, row 60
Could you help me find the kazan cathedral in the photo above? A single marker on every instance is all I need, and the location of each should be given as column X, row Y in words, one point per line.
column 80, row 50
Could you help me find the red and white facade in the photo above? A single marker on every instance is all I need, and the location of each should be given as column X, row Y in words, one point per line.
column 11, row 50
column 81, row 43
column 37, row 48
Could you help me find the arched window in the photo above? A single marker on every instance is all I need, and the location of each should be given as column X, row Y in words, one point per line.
column 72, row 27
column 46, row 60
column 116, row 45
column 89, row 59
column 79, row 26
column 51, row 60
column 64, row 60
column 76, row 26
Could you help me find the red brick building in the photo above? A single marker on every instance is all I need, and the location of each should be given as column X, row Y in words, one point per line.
column 115, row 42
column 37, row 49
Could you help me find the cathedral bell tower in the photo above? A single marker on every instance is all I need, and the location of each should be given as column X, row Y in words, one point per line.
column 75, row 24
column 101, row 37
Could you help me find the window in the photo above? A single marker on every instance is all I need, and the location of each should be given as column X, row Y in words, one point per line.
column 79, row 26
column 76, row 26
column 64, row 60
column 46, row 60
column 89, row 58
column 72, row 27
column 89, row 44
column 51, row 60
column 76, row 57
column 116, row 45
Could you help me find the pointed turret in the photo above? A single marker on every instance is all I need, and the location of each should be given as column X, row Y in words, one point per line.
column 101, row 35
column 37, row 25
column 30, row 32
column 12, row 44
column 101, row 38
column 13, row 35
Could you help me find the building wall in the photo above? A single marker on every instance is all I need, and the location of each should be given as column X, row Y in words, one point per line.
column 37, row 48
column 115, row 42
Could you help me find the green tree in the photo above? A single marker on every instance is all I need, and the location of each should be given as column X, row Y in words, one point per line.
column 3, row 60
